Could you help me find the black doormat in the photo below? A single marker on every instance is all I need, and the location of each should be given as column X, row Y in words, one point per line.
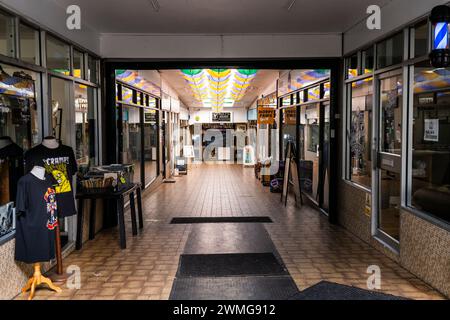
column 325, row 290
column 233, row 288
column 223, row 265
column 189, row 220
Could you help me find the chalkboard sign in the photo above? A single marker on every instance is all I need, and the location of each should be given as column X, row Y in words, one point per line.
column 221, row 117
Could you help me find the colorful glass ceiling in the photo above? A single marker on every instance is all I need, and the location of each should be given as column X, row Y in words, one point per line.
column 134, row 79
column 431, row 80
column 218, row 88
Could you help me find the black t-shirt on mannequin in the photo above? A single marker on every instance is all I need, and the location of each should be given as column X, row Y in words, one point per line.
column 60, row 163
column 36, row 219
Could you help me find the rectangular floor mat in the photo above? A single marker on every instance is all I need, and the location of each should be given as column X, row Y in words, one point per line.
column 189, row 220
column 325, row 290
column 224, row 265
column 233, row 288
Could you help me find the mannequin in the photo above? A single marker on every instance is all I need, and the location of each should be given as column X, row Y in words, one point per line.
column 50, row 142
column 38, row 172
column 5, row 141
column 59, row 162
column 38, row 278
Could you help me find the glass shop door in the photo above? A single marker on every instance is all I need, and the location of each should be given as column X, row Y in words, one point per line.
column 388, row 165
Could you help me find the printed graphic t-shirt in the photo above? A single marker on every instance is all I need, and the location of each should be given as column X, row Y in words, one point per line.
column 60, row 163
column 36, row 219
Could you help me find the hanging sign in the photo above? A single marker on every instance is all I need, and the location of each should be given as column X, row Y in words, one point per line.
column 220, row 116
column 431, row 130
column 290, row 116
column 266, row 115
column 150, row 117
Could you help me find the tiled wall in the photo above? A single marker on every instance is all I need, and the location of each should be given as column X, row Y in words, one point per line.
column 15, row 274
column 424, row 247
column 425, row 251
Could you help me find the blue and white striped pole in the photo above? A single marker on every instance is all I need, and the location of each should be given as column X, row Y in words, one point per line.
column 441, row 36
column 440, row 53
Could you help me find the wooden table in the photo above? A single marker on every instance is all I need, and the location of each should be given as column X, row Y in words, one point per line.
column 119, row 197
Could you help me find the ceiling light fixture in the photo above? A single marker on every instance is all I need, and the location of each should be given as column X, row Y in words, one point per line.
column 155, row 5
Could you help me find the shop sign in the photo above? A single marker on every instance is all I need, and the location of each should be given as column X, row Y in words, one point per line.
column 266, row 116
column 220, row 116
column 290, row 116
column 431, row 130
column 150, row 117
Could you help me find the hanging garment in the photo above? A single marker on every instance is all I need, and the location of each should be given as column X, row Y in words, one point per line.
column 60, row 163
column 11, row 169
column 36, row 207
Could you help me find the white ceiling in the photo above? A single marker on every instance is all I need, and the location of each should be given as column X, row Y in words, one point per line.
column 262, row 80
column 222, row 16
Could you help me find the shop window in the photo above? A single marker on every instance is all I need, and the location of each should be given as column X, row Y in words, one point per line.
column 150, row 144
column 314, row 93
column 352, row 66
column 61, row 109
column 295, row 98
column 421, row 39
column 360, row 132
column 58, row 56
column 127, row 95
column 78, row 64
column 326, row 90
column 390, row 51
column 367, row 59
column 7, row 46
column 430, row 174
column 29, row 44
column 85, row 126
column 286, row 101
column 391, row 114
column 18, row 109
column 132, row 147
column 288, row 127
column 92, row 70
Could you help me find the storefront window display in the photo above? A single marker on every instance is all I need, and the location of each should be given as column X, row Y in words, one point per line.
column 420, row 39
column 58, row 56
column 360, row 132
column 78, row 64
column 132, row 150
column 60, row 104
column 18, row 132
column 92, row 75
column 352, row 66
column 18, row 110
column 309, row 157
column 390, row 51
column 29, row 44
column 151, row 118
column 288, row 127
column 367, row 60
column 7, row 35
column 85, row 126
column 430, row 167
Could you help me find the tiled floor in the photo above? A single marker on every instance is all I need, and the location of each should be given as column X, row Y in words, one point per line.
column 311, row 248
